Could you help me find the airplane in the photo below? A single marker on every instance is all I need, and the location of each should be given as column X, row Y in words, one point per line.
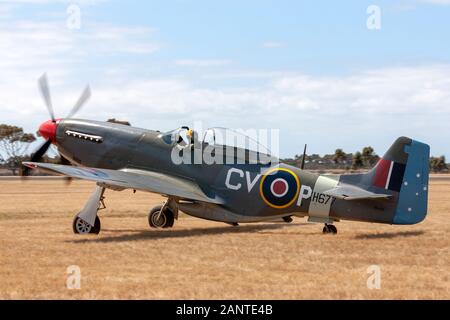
column 245, row 186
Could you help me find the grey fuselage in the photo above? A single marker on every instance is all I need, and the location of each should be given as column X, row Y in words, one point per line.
column 239, row 185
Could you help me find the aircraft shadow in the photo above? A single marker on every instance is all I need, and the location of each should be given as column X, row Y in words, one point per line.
column 390, row 235
column 174, row 233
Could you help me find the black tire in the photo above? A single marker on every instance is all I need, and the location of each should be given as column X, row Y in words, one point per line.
column 329, row 228
column 333, row 229
column 288, row 219
column 79, row 226
column 97, row 226
column 166, row 219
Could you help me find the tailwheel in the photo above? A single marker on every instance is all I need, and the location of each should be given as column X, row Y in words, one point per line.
column 82, row 227
column 329, row 228
column 288, row 219
column 158, row 219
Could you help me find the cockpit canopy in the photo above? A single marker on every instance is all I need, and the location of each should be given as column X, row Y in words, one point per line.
column 225, row 142
column 236, row 139
column 217, row 137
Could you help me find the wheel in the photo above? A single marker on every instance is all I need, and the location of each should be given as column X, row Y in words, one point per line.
column 329, row 228
column 288, row 219
column 82, row 227
column 164, row 220
column 333, row 229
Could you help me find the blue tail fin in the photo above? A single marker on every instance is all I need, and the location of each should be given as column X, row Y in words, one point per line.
column 413, row 186
column 402, row 173
column 404, row 169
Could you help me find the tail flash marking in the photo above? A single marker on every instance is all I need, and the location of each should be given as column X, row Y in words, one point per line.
column 381, row 175
column 398, row 172
column 389, row 175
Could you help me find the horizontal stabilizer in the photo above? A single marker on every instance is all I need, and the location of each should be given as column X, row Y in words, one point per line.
column 347, row 192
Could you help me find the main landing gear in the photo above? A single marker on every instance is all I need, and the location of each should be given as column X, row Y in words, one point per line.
column 288, row 219
column 162, row 217
column 87, row 221
column 329, row 228
column 82, row 227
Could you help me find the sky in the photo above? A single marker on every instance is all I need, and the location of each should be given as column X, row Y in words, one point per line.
column 319, row 71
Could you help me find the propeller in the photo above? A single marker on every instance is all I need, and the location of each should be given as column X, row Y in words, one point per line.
column 45, row 92
column 80, row 103
column 49, row 127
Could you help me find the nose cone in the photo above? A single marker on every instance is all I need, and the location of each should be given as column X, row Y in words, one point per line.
column 48, row 130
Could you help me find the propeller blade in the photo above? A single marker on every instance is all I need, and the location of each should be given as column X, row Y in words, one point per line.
column 37, row 156
column 45, row 92
column 81, row 101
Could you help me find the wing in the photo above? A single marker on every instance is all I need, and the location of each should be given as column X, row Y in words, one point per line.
column 347, row 192
column 133, row 179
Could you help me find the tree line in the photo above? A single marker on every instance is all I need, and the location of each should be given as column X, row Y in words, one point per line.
column 15, row 143
column 361, row 159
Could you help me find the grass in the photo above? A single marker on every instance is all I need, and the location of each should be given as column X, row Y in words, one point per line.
column 205, row 260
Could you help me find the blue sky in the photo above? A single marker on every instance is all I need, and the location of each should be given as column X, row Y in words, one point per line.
column 309, row 68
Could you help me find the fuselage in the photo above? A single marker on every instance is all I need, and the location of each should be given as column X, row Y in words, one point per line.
column 249, row 192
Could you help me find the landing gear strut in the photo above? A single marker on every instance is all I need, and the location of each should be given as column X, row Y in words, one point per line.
column 163, row 216
column 329, row 228
column 158, row 219
column 87, row 221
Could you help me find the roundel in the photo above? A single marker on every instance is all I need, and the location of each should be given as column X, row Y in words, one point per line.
column 279, row 188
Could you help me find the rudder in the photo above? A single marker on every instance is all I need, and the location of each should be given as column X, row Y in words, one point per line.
column 405, row 169
column 413, row 200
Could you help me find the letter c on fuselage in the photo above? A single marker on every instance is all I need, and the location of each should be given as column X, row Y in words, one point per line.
column 228, row 182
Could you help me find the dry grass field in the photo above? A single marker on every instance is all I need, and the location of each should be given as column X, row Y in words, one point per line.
column 206, row 260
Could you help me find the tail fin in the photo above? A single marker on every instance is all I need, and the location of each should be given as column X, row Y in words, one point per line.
column 404, row 169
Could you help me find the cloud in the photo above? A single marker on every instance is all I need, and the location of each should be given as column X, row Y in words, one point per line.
column 24, row 42
column 372, row 105
column 28, row 48
column 384, row 103
column 398, row 90
column 6, row 10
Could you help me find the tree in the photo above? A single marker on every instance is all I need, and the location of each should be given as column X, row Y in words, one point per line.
column 438, row 164
column 14, row 143
column 357, row 161
column 339, row 156
column 369, row 158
